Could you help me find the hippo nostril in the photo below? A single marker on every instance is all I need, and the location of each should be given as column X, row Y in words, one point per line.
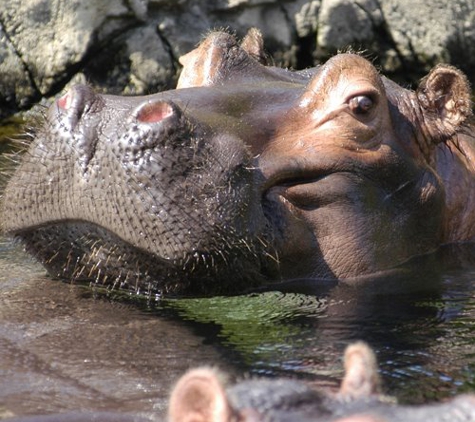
column 65, row 101
column 155, row 112
column 77, row 101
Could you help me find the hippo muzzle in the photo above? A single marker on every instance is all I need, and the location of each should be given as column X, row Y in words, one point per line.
column 246, row 174
column 138, row 194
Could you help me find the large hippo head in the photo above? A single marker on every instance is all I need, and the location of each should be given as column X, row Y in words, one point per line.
column 246, row 174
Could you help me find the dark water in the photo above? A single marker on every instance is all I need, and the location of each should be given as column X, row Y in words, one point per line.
column 66, row 347
column 421, row 324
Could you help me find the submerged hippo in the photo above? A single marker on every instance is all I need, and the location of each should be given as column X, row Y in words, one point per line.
column 247, row 174
column 203, row 395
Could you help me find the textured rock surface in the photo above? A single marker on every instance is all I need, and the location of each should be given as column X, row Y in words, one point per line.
column 132, row 46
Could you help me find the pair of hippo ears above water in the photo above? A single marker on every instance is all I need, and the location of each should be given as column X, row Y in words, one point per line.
column 204, row 395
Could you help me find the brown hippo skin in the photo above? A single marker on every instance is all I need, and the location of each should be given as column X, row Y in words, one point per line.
column 205, row 395
column 247, row 174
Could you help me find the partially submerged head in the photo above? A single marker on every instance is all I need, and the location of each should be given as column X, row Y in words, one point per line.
column 205, row 395
column 246, row 174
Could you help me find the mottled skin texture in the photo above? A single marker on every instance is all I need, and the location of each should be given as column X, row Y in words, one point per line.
column 247, row 174
column 204, row 395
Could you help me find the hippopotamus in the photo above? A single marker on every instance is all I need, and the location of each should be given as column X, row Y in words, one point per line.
column 203, row 394
column 246, row 175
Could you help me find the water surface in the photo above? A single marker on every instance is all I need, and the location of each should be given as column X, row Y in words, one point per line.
column 63, row 350
column 69, row 347
column 421, row 324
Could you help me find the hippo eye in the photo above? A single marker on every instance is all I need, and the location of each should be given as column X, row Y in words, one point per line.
column 361, row 104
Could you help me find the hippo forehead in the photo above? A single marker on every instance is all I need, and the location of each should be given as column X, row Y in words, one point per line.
column 224, row 87
column 227, row 86
column 221, row 60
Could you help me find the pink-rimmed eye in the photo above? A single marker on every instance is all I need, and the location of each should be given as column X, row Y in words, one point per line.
column 361, row 104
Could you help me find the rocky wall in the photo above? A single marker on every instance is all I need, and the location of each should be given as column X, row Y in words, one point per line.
column 133, row 46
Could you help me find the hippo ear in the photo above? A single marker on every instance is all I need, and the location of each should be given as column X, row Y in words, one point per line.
column 199, row 396
column 221, row 58
column 253, row 44
column 204, row 65
column 444, row 95
column 361, row 372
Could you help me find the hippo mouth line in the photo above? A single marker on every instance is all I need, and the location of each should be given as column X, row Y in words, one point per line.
column 291, row 187
column 302, row 180
column 289, row 179
column 291, row 172
column 81, row 244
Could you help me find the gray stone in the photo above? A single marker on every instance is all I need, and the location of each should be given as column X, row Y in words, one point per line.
column 406, row 36
column 16, row 87
column 133, row 46
column 306, row 18
column 345, row 22
column 426, row 33
column 150, row 63
column 51, row 36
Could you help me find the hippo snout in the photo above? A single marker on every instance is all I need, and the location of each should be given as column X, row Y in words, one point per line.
column 81, row 100
column 139, row 193
column 158, row 123
column 74, row 118
column 78, row 116
column 155, row 111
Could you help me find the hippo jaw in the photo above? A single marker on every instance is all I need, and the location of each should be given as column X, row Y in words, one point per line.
column 83, row 251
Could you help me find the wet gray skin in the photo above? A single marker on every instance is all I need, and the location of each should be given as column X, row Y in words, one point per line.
column 246, row 175
column 132, row 201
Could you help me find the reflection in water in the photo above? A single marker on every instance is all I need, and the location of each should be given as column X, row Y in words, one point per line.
column 420, row 321
column 62, row 349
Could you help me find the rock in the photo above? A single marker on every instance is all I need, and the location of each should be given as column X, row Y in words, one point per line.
column 150, row 63
column 132, row 47
column 306, row 19
column 405, row 36
column 16, row 86
column 439, row 31
column 345, row 22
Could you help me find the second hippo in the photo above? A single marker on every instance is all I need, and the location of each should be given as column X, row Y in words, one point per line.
column 204, row 395
column 247, row 174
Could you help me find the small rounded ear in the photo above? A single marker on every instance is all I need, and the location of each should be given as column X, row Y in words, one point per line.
column 361, row 372
column 253, row 44
column 444, row 95
column 203, row 65
column 220, row 58
column 199, row 396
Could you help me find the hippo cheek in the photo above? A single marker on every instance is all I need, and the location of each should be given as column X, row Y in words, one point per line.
column 326, row 225
column 343, row 224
